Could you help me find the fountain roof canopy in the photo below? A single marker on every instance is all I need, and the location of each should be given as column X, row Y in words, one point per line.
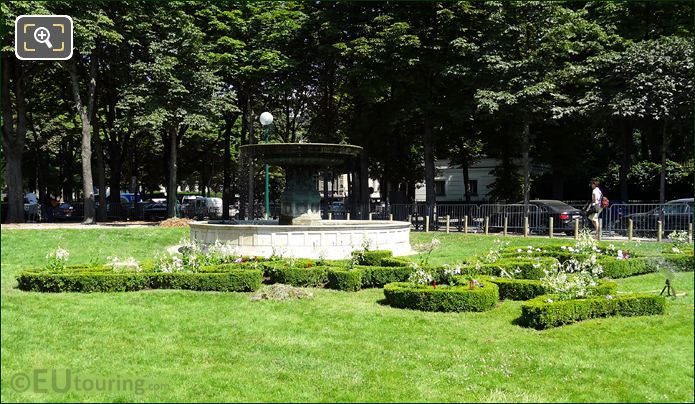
column 302, row 154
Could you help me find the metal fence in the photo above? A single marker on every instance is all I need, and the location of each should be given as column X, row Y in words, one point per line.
column 651, row 220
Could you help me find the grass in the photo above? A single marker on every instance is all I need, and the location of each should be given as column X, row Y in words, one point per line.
column 339, row 346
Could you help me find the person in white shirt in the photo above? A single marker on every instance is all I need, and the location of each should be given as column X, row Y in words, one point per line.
column 594, row 208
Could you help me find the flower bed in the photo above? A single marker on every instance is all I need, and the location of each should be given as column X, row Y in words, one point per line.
column 441, row 298
column 545, row 312
column 525, row 289
column 103, row 279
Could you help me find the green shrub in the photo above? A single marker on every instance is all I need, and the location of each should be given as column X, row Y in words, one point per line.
column 525, row 289
column 245, row 280
column 681, row 262
column 304, row 277
column 528, row 268
column 394, row 262
column 615, row 268
column 371, row 258
column 342, row 279
column 454, row 298
column 101, row 281
column 376, row 277
column 540, row 313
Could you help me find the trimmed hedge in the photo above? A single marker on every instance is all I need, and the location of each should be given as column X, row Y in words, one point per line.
column 615, row 268
column 302, row 277
column 682, row 262
column 454, row 298
column 394, row 262
column 371, row 258
column 342, row 279
column 540, row 314
column 525, row 289
column 101, row 281
column 529, row 267
column 376, row 277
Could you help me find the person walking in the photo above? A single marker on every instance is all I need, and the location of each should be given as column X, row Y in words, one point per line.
column 593, row 208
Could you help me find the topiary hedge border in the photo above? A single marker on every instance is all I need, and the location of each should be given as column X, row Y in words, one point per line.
column 526, row 289
column 540, row 313
column 343, row 279
column 376, row 277
column 102, row 281
column 300, row 277
column 371, row 258
column 454, row 298
column 530, row 267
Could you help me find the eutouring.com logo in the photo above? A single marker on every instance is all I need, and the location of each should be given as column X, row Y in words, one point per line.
column 64, row 380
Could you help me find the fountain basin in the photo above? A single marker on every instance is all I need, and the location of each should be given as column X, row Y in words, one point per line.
column 332, row 239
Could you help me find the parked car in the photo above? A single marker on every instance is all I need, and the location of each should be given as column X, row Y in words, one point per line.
column 155, row 211
column 540, row 211
column 675, row 216
column 64, row 211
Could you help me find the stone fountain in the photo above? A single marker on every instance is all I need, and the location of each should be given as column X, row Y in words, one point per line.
column 300, row 232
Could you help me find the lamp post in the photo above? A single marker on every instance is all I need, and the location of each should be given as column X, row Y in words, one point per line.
column 266, row 119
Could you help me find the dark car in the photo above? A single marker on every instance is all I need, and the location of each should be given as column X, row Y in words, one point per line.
column 155, row 211
column 64, row 211
column 540, row 212
column 675, row 215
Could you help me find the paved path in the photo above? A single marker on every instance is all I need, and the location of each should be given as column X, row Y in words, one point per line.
column 105, row 225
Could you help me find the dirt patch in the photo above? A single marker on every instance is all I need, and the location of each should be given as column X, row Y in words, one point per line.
column 281, row 292
column 175, row 222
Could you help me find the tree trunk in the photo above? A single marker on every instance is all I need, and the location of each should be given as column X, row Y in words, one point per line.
column 171, row 187
column 662, row 172
column 466, row 180
column 430, row 195
column 13, row 141
column 525, row 146
column 101, row 171
column 364, row 183
column 625, row 162
column 251, row 196
column 85, row 116
column 227, row 167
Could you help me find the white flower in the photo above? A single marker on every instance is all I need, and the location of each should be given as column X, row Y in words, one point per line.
column 518, row 250
column 549, row 300
column 564, row 247
column 609, row 297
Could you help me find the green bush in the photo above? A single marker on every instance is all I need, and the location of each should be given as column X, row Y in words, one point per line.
column 529, row 268
column 615, row 268
column 540, row 313
column 342, row 279
column 371, row 258
column 394, row 262
column 681, row 262
column 303, row 277
column 454, row 298
column 376, row 277
column 525, row 289
column 102, row 281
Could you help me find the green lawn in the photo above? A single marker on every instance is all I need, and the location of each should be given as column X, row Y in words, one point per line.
column 339, row 346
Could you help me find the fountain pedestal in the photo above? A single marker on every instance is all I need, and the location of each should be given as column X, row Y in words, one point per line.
column 300, row 232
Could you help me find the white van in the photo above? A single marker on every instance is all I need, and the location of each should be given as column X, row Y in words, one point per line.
column 201, row 207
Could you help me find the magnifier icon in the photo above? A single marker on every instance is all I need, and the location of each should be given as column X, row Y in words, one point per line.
column 43, row 35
